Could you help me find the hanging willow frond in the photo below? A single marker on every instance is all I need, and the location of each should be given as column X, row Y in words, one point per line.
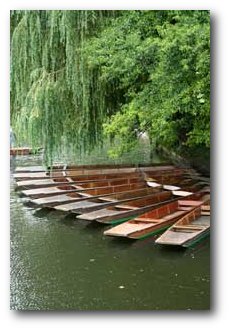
column 55, row 96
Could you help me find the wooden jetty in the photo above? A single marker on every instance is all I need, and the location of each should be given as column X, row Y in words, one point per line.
column 156, row 220
column 190, row 229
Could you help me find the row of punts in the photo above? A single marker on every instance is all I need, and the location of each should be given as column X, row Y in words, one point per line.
column 22, row 151
column 135, row 201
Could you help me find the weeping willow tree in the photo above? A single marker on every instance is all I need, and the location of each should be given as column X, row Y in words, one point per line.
column 57, row 99
column 80, row 76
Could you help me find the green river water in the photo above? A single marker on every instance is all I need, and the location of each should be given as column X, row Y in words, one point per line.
column 67, row 264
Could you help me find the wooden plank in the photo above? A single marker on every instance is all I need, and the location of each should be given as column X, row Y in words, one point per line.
column 189, row 202
column 76, row 206
column 91, row 216
column 205, row 207
column 205, row 212
column 187, row 208
column 54, row 200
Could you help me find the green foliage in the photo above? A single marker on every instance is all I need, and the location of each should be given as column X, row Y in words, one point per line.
column 55, row 97
column 161, row 62
column 78, row 74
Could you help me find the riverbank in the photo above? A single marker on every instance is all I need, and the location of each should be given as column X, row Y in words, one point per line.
column 198, row 158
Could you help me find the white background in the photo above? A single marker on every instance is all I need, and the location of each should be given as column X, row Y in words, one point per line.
column 218, row 317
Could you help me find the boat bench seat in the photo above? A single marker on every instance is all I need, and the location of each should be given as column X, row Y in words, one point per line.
column 189, row 202
column 205, row 207
column 205, row 212
column 185, row 208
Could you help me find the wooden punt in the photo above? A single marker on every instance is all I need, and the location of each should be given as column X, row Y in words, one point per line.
column 21, row 151
column 97, row 203
column 190, row 229
column 126, row 210
column 29, row 169
column 155, row 220
column 64, row 167
column 64, row 198
column 53, row 182
column 79, row 186
column 69, row 173
column 96, row 172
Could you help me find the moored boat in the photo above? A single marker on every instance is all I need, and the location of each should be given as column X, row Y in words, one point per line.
column 155, row 220
column 190, row 229
column 98, row 203
column 63, row 197
column 52, row 182
column 67, row 187
column 129, row 209
column 20, row 151
column 29, row 169
column 97, row 172
column 63, row 167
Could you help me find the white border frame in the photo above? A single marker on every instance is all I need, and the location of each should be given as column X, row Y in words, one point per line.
column 219, row 315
